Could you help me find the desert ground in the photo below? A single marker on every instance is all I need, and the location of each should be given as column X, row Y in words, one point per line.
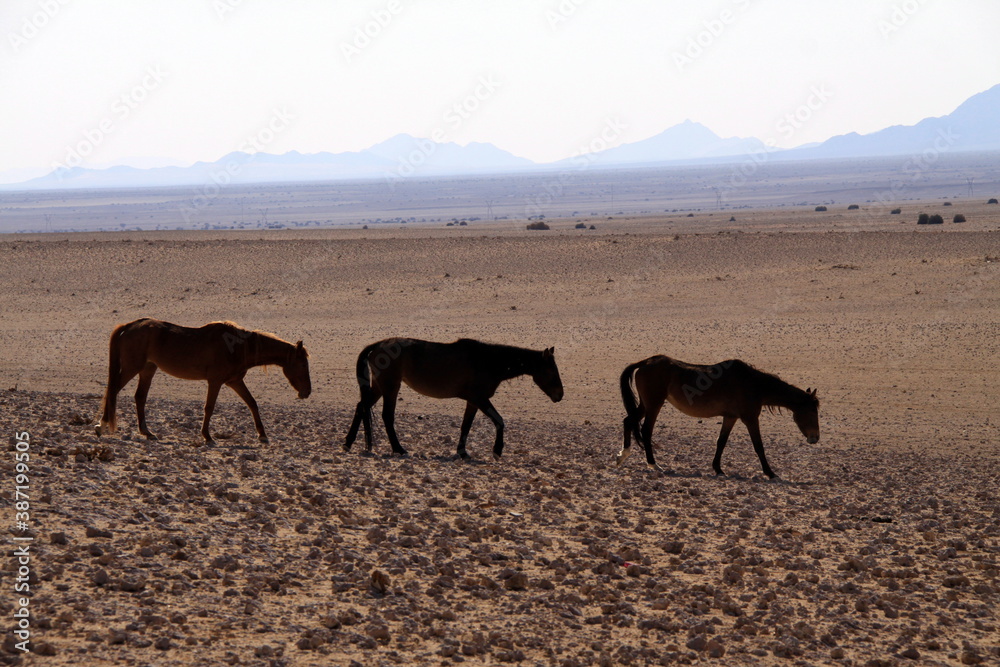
column 879, row 545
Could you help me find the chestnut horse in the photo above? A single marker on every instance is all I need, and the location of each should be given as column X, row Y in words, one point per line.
column 731, row 389
column 220, row 353
column 466, row 369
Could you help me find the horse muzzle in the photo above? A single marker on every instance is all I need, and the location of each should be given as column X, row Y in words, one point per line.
column 812, row 439
column 556, row 396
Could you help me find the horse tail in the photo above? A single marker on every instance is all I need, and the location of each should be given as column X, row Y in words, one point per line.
column 629, row 398
column 109, row 404
column 364, row 370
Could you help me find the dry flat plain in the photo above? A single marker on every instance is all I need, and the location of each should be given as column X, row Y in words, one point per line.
column 879, row 545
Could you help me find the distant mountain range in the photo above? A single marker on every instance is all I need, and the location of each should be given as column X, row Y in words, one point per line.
column 397, row 157
column 973, row 126
column 687, row 141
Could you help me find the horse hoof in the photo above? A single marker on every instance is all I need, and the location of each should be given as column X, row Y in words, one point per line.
column 401, row 453
column 496, row 457
column 464, row 456
column 263, row 439
column 622, row 455
column 346, row 448
column 150, row 436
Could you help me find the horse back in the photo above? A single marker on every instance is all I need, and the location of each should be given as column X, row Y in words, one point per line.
column 698, row 390
column 192, row 353
column 438, row 370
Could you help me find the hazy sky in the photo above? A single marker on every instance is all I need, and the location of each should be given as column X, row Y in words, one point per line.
column 190, row 80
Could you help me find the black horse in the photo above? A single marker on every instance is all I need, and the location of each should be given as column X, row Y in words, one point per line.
column 466, row 369
column 733, row 390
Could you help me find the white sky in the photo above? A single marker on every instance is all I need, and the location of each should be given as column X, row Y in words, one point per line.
column 545, row 78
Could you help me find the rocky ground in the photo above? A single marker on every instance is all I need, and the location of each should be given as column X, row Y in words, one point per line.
column 296, row 553
column 879, row 545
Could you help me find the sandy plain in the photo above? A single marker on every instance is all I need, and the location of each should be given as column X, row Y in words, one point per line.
column 880, row 545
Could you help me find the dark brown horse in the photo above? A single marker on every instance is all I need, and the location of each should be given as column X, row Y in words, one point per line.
column 466, row 369
column 220, row 353
column 731, row 389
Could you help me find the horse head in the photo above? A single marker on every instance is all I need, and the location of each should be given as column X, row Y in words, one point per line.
column 296, row 369
column 546, row 376
column 806, row 417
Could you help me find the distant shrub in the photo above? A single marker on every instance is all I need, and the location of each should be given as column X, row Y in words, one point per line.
column 993, row 201
column 936, row 220
column 821, row 208
column 732, row 219
column 947, row 203
column 593, row 227
column 923, row 219
column 853, row 207
column 463, row 224
column 895, row 211
column 958, row 218
column 581, row 225
column 538, row 226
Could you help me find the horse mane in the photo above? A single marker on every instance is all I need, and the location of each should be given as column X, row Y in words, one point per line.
column 502, row 356
column 255, row 335
column 497, row 347
column 229, row 323
column 256, row 332
column 773, row 388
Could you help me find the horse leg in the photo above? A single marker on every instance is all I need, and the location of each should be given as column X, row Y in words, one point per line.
column 364, row 414
column 647, row 435
column 631, row 424
column 753, row 427
column 491, row 412
column 213, row 394
column 470, row 415
column 389, row 419
column 141, row 391
column 240, row 387
column 727, row 426
column 361, row 413
column 352, row 434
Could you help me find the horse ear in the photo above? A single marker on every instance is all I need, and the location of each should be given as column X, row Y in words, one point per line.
column 549, row 352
